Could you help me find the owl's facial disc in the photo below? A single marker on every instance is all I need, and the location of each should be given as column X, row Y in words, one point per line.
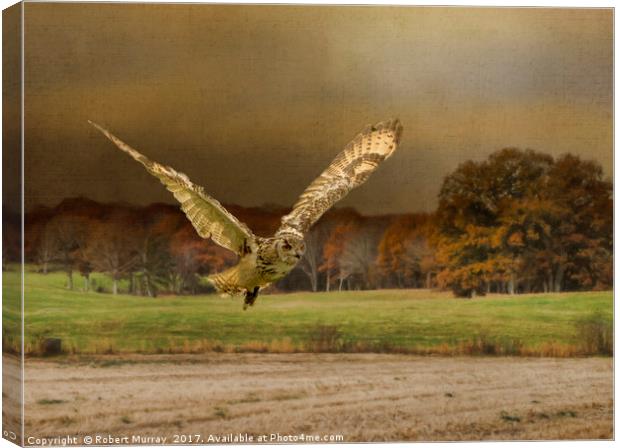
column 290, row 250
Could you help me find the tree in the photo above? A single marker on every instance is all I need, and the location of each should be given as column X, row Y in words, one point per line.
column 64, row 235
column 358, row 258
column 332, row 252
column 313, row 257
column 350, row 249
column 153, row 268
column 582, row 239
column 82, row 262
column 39, row 245
column 85, row 268
column 406, row 257
column 465, row 261
column 522, row 221
column 194, row 257
column 112, row 246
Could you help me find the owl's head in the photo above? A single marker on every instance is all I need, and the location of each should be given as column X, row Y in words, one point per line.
column 290, row 249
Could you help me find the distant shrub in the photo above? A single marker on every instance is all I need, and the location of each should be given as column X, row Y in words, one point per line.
column 483, row 344
column 10, row 342
column 595, row 335
column 324, row 338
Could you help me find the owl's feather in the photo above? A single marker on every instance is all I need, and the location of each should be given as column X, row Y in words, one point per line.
column 207, row 215
column 350, row 169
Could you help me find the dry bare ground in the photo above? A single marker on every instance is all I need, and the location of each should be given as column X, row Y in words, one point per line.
column 11, row 397
column 364, row 397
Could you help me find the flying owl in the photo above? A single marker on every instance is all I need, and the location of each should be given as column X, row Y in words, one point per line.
column 263, row 261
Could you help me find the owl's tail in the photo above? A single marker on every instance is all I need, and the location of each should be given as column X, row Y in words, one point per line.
column 227, row 282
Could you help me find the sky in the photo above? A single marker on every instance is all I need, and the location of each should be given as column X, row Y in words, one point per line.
column 253, row 102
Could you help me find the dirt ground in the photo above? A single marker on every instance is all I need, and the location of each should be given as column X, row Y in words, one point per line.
column 362, row 397
column 11, row 397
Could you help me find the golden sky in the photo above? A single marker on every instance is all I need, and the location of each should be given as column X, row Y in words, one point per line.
column 252, row 102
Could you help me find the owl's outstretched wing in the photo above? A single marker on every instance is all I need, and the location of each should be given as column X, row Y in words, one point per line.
column 350, row 169
column 208, row 216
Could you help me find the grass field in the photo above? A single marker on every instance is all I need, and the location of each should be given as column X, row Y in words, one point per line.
column 408, row 321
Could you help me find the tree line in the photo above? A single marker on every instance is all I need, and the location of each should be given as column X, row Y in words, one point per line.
column 518, row 222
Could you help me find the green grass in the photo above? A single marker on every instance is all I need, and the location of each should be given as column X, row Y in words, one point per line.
column 384, row 320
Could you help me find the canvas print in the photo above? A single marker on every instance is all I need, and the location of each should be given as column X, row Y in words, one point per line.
column 306, row 224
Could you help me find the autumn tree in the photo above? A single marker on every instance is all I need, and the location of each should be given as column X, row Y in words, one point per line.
column 332, row 253
column 520, row 221
column 194, row 257
column 356, row 252
column 406, row 257
column 582, row 238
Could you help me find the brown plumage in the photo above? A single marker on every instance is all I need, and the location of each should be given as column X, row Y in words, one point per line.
column 266, row 260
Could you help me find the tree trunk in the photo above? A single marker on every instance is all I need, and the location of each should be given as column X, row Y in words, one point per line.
column 429, row 279
column 45, row 267
column 559, row 279
column 137, row 286
column 147, row 286
column 314, row 281
column 528, row 286
column 327, row 280
column 175, row 285
column 511, row 284
column 70, row 280
column 340, row 284
column 550, row 281
column 115, row 286
column 86, row 283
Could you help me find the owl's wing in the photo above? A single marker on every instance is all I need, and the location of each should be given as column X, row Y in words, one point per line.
column 207, row 215
column 350, row 169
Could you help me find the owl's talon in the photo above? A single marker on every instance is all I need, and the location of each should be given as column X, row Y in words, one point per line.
column 250, row 297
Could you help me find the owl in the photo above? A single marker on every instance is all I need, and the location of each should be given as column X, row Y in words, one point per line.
column 263, row 261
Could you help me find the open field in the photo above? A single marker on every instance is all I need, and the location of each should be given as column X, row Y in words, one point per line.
column 363, row 397
column 412, row 321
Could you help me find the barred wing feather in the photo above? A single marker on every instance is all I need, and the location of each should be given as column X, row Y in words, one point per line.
column 350, row 169
column 207, row 215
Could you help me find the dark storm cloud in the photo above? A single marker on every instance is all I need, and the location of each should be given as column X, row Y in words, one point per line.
column 254, row 101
